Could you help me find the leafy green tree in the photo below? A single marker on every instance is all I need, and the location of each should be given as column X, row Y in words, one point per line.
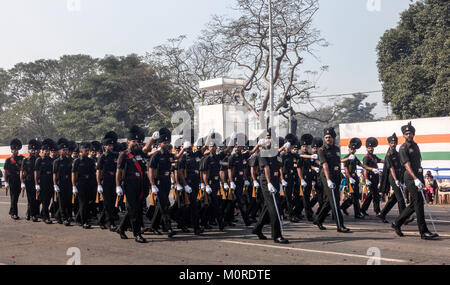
column 413, row 61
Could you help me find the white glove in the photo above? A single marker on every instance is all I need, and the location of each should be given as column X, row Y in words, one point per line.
column 313, row 183
column 246, row 183
column 155, row 136
column 314, row 156
column 368, row 182
column 56, row 188
column 351, row 157
column 272, row 189
column 317, row 169
column 188, row 189
column 303, row 182
column 397, row 183
column 100, row 189
column 38, row 188
column 22, row 185
column 75, row 190
column 179, row 187
column 352, row 181
column 225, row 186
column 418, row 183
column 155, row 189
column 376, row 171
column 187, row 144
column 171, row 180
column 284, row 183
column 330, row 184
column 232, row 185
column 6, row 184
column 119, row 191
column 287, row 145
column 255, row 183
column 208, row 189
column 403, row 185
column 202, row 186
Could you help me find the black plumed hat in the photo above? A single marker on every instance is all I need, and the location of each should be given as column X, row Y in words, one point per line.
column 34, row 144
column 306, row 139
column 371, row 142
column 16, row 144
column 63, row 143
column 110, row 138
column 317, row 142
column 355, row 143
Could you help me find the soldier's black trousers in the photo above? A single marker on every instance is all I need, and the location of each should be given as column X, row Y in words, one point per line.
column 256, row 203
column 193, row 207
column 214, row 209
column 14, row 193
column 109, row 198
column 288, row 196
column 353, row 200
column 373, row 195
column 318, row 197
column 331, row 204
column 65, row 202
column 45, row 196
column 83, row 200
column 268, row 213
column 396, row 198
column 133, row 190
column 33, row 203
column 239, row 194
column 416, row 206
column 161, row 214
column 307, row 200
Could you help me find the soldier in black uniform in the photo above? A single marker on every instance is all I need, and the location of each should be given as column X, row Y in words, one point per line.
column 83, row 171
column 130, row 181
column 27, row 179
column 351, row 162
column 106, row 182
column 62, row 182
column 372, row 177
column 305, row 173
column 270, row 184
column 330, row 174
column 410, row 158
column 256, row 200
column 236, row 176
column 44, row 180
column 12, row 168
column 392, row 177
column 317, row 182
column 287, row 172
column 159, row 174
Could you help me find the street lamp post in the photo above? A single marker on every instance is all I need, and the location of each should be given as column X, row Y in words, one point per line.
column 271, row 62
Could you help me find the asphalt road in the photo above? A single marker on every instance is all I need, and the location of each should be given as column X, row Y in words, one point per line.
column 25, row 242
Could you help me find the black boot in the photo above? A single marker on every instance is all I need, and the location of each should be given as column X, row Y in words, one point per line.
column 344, row 211
column 122, row 234
column 382, row 218
column 397, row 229
column 140, row 239
column 319, row 225
column 259, row 234
column 281, row 240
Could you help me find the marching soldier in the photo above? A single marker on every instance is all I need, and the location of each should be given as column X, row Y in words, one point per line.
column 372, row 177
column 83, row 171
column 270, row 183
column 130, row 175
column 392, row 177
column 27, row 179
column 351, row 162
column 329, row 157
column 62, row 182
column 159, row 174
column 12, row 169
column 106, row 182
column 43, row 179
column 317, row 182
column 304, row 171
column 410, row 158
column 287, row 173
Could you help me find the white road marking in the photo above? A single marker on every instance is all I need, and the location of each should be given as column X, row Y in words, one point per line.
column 315, row 251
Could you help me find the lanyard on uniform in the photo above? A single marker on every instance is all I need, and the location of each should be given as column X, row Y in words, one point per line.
column 138, row 166
column 14, row 162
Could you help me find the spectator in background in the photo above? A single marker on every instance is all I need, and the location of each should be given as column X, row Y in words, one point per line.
column 431, row 187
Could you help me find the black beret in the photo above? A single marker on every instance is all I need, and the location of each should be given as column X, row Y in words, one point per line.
column 291, row 138
column 34, row 144
column 48, row 144
column 317, row 142
column 96, row 146
column 329, row 131
column 164, row 135
column 392, row 138
column 136, row 133
column 16, row 144
column 355, row 143
column 306, row 139
column 86, row 145
column 110, row 138
column 371, row 142
column 408, row 128
column 63, row 143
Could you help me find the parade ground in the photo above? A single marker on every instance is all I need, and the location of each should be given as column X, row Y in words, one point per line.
column 371, row 242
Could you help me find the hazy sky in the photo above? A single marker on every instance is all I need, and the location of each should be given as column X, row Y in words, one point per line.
column 34, row 29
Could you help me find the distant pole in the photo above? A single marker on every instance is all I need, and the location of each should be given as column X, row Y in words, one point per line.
column 271, row 60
